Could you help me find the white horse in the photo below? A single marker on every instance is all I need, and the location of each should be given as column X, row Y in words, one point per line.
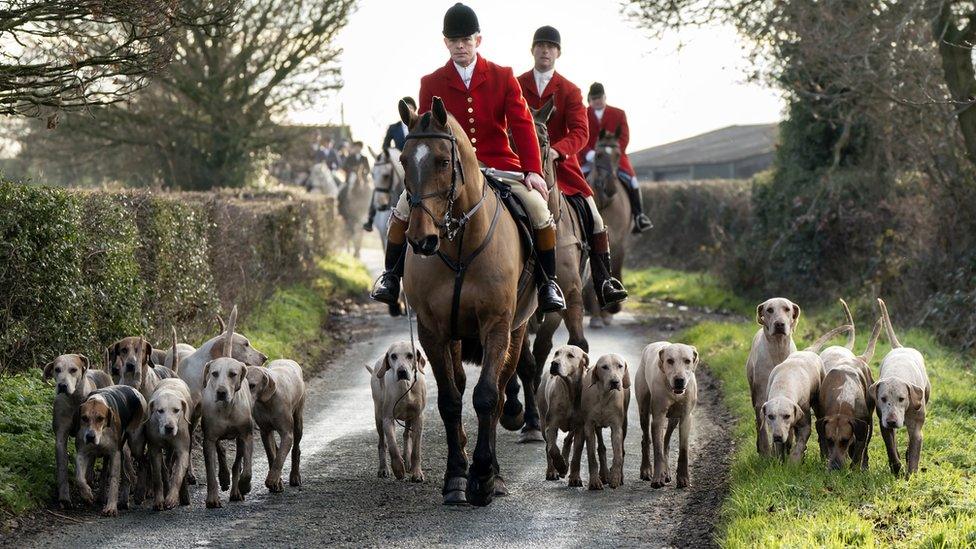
column 388, row 184
column 321, row 180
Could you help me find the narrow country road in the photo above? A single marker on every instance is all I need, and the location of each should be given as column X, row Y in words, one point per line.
column 342, row 502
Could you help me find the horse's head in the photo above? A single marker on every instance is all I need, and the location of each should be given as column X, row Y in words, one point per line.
column 434, row 171
column 357, row 171
column 387, row 176
column 605, row 165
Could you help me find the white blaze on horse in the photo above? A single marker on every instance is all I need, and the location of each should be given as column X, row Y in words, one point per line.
column 466, row 279
column 611, row 200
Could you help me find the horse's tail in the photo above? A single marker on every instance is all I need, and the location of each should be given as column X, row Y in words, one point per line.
column 472, row 351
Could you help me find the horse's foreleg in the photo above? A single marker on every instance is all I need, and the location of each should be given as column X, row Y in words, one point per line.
column 449, row 406
column 573, row 318
column 529, row 373
column 542, row 345
column 488, row 401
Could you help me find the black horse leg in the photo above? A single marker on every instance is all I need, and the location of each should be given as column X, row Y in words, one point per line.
column 513, row 414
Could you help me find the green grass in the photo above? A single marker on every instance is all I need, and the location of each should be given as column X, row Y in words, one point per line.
column 287, row 325
column 694, row 289
column 776, row 505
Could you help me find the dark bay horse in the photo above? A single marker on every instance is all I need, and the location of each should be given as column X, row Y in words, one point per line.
column 614, row 207
column 473, row 238
column 570, row 274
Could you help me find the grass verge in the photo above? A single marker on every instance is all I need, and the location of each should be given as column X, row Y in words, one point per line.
column 695, row 289
column 776, row 505
column 289, row 324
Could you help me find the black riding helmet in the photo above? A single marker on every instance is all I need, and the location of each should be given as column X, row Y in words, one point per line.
column 547, row 34
column 460, row 21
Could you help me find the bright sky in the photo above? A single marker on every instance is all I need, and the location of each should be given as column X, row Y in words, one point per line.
column 683, row 85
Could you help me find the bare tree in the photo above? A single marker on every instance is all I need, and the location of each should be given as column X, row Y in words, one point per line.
column 213, row 114
column 68, row 54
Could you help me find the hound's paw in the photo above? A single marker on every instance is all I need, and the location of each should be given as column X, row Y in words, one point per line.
column 646, row 474
column 417, row 476
column 604, row 476
column 552, row 475
column 575, row 482
column 110, row 512
column 274, row 484
column 190, row 477
column 244, row 484
column 64, row 503
column 596, row 484
column 399, row 470
column 158, row 505
column 682, row 482
column 86, row 495
column 560, row 465
column 224, row 478
column 214, row 503
column 658, row 482
column 616, row 480
column 383, row 472
column 236, row 495
column 295, row 479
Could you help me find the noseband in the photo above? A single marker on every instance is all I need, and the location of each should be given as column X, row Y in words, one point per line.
column 451, row 224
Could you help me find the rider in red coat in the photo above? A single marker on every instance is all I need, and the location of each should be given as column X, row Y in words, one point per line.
column 567, row 135
column 487, row 102
column 604, row 117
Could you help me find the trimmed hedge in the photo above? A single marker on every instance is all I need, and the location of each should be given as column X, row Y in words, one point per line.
column 79, row 269
column 695, row 222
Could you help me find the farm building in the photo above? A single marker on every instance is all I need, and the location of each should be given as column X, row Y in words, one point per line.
column 734, row 152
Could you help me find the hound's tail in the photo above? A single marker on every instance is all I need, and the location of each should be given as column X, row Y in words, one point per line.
column 875, row 334
column 176, row 356
column 850, row 320
column 229, row 334
column 815, row 347
column 892, row 338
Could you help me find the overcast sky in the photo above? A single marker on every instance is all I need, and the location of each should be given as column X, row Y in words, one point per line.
column 680, row 86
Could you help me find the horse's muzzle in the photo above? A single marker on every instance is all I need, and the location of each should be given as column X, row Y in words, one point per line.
column 427, row 246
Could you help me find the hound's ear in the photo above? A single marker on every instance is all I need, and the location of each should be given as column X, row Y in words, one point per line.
column 796, row 314
column 695, row 359
column 48, row 370
column 85, row 364
column 408, row 115
column 626, row 382
column 116, row 423
column 152, row 406
column 438, row 111
column 660, row 359
column 618, row 131
column 873, row 391
column 242, row 378
column 860, row 428
column 585, row 361
column 206, row 373
column 916, row 396
column 762, row 412
column 594, row 376
column 269, row 389
column 421, row 361
column 545, row 113
column 381, row 371
column 798, row 411
column 186, row 409
column 147, row 350
column 759, row 314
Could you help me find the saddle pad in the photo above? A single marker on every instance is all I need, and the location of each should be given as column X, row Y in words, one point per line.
column 578, row 203
column 524, row 224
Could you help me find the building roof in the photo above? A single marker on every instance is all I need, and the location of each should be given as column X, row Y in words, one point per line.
column 723, row 145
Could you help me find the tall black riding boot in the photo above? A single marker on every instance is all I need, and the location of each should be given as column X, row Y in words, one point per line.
column 368, row 225
column 608, row 289
column 550, row 296
column 641, row 221
column 386, row 289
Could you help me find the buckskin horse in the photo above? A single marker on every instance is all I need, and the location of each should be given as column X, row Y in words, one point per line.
column 615, row 209
column 570, row 274
column 354, row 200
column 473, row 299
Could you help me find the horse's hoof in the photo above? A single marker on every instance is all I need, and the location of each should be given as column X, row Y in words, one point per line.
column 531, row 435
column 500, row 489
column 481, row 492
column 596, row 322
column 513, row 422
column 455, row 491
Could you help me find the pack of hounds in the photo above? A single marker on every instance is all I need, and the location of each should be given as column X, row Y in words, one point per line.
column 139, row 413
column 830, row 389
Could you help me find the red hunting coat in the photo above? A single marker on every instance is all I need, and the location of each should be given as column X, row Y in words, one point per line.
column 612, row 119
column 568, row 129
column 492, row 106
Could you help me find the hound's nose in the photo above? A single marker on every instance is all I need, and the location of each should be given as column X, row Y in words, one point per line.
column 779, row 327
column 777, row 438
column 835, row 465
column 554, row 368
column 891, row 423
column 679, row 384
column 62, row 388
column 264, row 357
column 221, row 394
column 89, row 437
column 130, row 367
column 402, row 374
column 427, row 246
column 614, row 384
column 169, row 429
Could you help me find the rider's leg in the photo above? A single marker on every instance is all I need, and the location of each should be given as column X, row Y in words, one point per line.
column 608, row 289
column 368, row 225
column 386, row 289
column 641, row 221
column 550, row 296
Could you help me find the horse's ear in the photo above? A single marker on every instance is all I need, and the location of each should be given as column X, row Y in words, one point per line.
column 408, row 114
column 372, row 152
column 438, row 110
column 617, row 132
column 546, row 111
